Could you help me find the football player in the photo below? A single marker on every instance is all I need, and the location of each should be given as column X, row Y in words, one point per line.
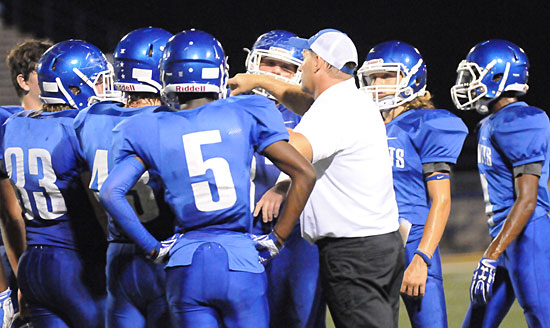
column 61, row 273
column 293, row 276
column 513, row 157
column 423, row 143
column 135, row 285
column 22, row 61
column 203, row 155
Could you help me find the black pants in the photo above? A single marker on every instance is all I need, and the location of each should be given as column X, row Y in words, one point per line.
column 361, row 278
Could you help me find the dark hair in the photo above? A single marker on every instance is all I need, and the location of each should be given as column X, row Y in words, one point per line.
column 23, row 60
column 184, row 97
column 132, row 97
column 350, row 66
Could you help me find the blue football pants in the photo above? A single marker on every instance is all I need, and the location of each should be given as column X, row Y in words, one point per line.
column 523, row 272
column 135, row 289
column 207, row 294
column 62, row 287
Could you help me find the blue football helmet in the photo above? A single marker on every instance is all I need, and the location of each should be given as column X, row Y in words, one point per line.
column 69, row 71
column 136, row 60
column 274, row 44
column 193, row 61
column 393, row 57
column 490, row 68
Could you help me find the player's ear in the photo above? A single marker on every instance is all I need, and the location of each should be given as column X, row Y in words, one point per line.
column 23, row 83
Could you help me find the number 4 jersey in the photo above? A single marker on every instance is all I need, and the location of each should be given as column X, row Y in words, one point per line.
column 93, row 127
column 42, row 158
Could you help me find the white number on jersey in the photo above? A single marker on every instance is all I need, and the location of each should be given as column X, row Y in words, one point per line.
column 488, row 205
column 58, row 207
column 197, row 166
column 140, row 197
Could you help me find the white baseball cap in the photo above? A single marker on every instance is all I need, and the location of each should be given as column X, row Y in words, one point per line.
column 335, row 47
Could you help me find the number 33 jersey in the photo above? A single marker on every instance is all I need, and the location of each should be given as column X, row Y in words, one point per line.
column 42, row 158
column 203, row 156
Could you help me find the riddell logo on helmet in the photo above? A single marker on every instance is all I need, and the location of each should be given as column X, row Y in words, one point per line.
column 126, row 87
column 375, row 61
column 191, row 88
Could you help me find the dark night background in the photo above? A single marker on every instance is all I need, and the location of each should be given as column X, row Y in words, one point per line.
column 443, row 31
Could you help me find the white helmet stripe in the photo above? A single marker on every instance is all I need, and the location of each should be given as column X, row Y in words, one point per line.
column 65, row 92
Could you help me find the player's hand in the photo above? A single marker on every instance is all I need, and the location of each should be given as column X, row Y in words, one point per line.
column 165, row 247
column 242, row 83
column 268, row 246
column 270, row 204
column 6, row 308
column 482, row 281
column 414, row 279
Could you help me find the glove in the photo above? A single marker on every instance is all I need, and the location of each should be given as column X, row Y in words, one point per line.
column 267, row 246
column 482, row 281
column 165, row 247
column 6, row 308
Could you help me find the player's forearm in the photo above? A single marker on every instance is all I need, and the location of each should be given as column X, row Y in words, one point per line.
column 12, row 224
column 515, row 223
column 300, row 189
column 435, row 224
column 15, row 241
column 113, row 197
column 521, row 211
column 440, row 195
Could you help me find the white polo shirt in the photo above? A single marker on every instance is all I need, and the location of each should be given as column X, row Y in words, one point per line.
column 353, row 195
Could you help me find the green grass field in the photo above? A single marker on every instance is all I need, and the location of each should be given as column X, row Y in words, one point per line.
column 457, row 275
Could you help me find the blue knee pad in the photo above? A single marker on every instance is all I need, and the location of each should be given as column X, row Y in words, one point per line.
column 136, row 289
column 206, row 293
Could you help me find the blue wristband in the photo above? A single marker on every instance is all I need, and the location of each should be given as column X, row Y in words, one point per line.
column 440, row 176
column 425, row 257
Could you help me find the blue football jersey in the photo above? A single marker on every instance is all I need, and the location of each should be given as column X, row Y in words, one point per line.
column 7, row 111
column 93, row 127
column 417, row 137
column 264, row 174
column 517, row 134
column 203, row 156
column 42, row 158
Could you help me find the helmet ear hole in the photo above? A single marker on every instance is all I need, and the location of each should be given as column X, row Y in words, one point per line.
column 75, row 90
column 54, row 64
column 497, row 77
